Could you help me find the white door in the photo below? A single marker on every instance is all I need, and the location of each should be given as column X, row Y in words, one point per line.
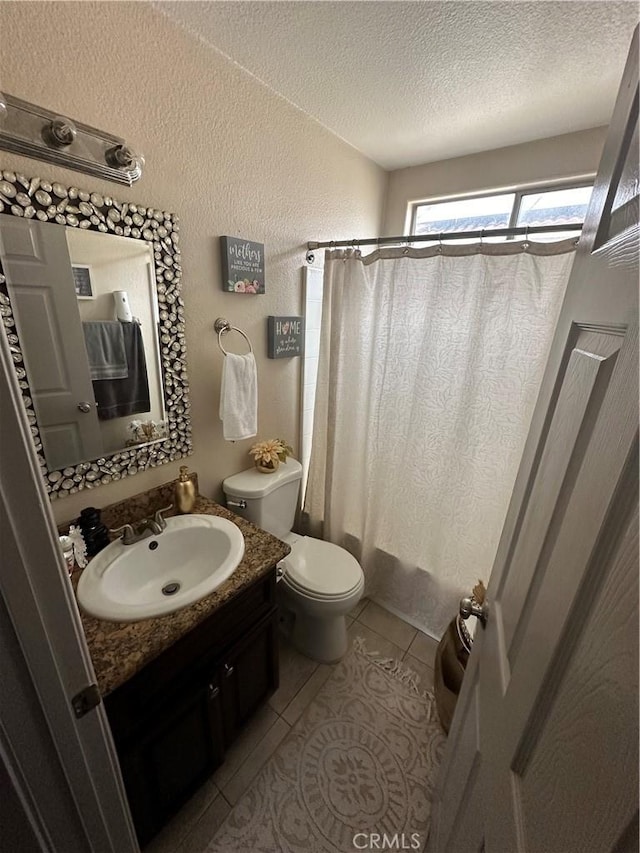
column 543, row 750
column 36, row 261
column 62, row 761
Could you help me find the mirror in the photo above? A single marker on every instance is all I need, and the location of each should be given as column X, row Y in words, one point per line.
column 115, row 291
column 91, row 305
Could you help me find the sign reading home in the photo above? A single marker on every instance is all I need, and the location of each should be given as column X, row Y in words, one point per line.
column 242, row 265
column 285, row 337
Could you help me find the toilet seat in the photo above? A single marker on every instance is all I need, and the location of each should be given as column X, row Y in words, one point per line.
column 321, row 570
column 319, row 597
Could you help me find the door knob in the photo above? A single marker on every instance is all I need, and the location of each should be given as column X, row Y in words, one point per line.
column 470, row 607
column 84, row 407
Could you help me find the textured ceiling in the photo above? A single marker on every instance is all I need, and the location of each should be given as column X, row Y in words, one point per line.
column 414, row 82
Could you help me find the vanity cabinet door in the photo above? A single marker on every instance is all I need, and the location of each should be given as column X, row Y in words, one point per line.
column 172, row 756
column 248, row 674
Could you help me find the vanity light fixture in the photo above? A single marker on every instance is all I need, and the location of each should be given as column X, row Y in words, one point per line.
column 34, row 131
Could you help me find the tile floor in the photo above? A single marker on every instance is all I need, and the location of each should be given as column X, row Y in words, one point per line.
column 300, row 680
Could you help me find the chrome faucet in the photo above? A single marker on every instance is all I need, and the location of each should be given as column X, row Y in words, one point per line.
column 132, row 533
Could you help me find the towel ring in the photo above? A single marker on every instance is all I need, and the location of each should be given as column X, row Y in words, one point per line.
column 223, row 326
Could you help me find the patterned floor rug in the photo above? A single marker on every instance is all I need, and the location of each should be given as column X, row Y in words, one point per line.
column 360, row 762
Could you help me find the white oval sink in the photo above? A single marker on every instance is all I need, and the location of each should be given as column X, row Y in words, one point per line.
column 193, row 555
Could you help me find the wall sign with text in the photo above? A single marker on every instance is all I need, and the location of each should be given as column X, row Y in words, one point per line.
column 82, row 281
column 242, row 265
column 285, row 337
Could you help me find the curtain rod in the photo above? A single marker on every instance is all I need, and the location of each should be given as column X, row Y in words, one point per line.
column 522, row 230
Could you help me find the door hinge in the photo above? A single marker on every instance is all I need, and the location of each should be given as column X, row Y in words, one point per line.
column 86, row 700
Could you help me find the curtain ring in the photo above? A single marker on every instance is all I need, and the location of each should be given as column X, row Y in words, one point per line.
column 481, row 238
column 440, row 243
column 525, row 244
column 405, row 250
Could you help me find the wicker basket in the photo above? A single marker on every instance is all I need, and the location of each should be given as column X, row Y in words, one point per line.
column 451, row 661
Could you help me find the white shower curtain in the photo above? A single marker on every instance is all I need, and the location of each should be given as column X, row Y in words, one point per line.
column 430, row 365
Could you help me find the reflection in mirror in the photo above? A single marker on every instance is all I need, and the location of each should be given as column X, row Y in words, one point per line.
column 88, row 322
column 91, row 305
column 119, row 316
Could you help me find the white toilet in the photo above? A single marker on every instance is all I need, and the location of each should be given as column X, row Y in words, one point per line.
column 320, row 582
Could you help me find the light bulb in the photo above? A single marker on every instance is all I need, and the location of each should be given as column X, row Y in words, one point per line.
column 60, row 132
column 124, row 157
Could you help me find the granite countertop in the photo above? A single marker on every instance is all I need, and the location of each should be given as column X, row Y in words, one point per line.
column 121, row 649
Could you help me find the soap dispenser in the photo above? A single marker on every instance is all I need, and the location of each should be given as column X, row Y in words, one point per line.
column 94, row 532
column 185, row 491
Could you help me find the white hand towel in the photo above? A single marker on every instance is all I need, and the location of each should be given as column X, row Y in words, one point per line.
column 239, row 397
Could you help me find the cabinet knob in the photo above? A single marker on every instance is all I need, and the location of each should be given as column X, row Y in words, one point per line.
column 228, row 670
column 214, row 691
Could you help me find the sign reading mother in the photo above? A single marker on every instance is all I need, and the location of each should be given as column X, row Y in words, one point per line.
column 242, row 265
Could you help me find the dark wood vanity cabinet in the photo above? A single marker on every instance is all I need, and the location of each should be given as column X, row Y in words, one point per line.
column 171, row 758
column 173, row 721
column 247, row 675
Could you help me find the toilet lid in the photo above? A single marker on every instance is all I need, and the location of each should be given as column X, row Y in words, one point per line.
column 321, row 568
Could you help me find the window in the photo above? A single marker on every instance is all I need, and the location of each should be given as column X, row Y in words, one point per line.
column 554, row 207
column 557, row 206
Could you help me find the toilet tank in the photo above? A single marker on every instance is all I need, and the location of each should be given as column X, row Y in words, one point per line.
column 271, row 499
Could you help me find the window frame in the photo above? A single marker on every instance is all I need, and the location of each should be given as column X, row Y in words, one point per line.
column 519, row 192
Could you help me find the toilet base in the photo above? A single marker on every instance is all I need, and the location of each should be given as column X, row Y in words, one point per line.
column 318, row 627
column 323, row 640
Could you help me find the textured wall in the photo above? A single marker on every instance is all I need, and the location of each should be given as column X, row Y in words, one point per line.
column 227, row 156
column 554, row 159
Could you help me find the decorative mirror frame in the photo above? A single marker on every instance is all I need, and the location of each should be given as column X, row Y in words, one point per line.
column 52, row 202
